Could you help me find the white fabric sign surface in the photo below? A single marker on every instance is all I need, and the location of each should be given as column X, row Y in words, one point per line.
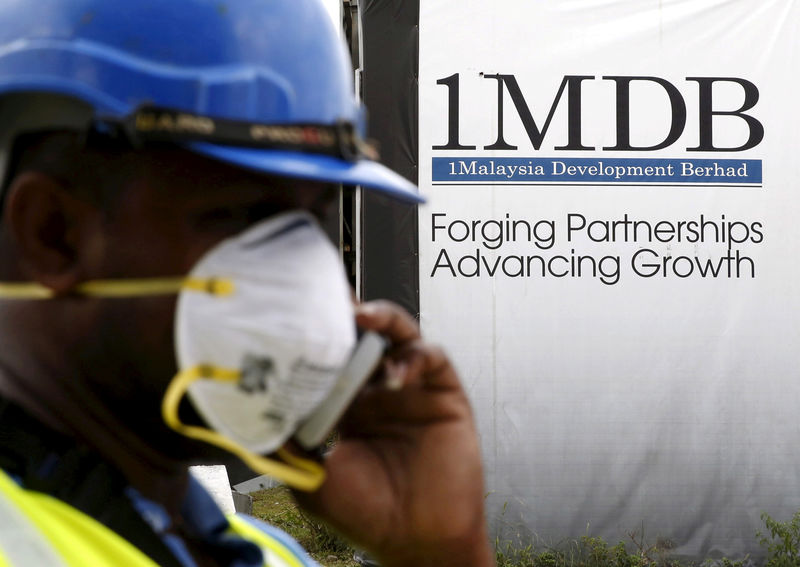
column 610, row 255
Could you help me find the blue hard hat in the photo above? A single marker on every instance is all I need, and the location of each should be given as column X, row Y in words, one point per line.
column 196, row 68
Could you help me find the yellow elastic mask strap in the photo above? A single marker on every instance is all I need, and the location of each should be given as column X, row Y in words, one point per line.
column 121, row 288
column 297, row 472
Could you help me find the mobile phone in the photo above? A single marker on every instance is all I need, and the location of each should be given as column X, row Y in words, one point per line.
column 363, row 362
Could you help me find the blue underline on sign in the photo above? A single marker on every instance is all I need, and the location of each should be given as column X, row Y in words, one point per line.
column 597, row 171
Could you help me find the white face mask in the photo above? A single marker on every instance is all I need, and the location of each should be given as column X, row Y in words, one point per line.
column 263, row 326
column 257, row 361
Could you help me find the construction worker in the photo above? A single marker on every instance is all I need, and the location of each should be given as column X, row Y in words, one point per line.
column 168, row 297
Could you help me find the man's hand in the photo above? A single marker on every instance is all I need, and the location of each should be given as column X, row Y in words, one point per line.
column 405, row 480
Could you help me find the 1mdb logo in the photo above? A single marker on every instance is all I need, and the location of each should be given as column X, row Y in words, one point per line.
column 708, row 113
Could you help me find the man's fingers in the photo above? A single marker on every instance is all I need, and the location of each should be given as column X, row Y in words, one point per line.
column 388, row 411
column 410, row 360
column 420, row 363
column 387, row 319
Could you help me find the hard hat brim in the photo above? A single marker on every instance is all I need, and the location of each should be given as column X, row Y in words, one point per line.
column 366, row 173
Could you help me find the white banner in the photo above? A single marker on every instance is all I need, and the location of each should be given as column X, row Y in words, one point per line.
column 610, row 254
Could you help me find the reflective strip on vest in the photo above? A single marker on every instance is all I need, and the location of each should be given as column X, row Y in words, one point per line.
column 21, row 541
column 276, row 554
column 60, row 534
column 37, row 530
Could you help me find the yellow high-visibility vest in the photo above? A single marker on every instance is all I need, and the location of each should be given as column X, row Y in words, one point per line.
column 39, row 530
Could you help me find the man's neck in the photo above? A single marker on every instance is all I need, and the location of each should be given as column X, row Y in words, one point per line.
column 88, row 423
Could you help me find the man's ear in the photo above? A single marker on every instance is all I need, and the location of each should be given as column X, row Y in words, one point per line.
column 48, row 224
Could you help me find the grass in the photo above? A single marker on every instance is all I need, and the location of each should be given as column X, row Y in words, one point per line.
column 780, row 540
column 276, row 507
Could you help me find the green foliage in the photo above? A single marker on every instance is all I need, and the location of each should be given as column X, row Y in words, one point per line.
column 584, row 552
column 325, row 539
column 595, row 552
column 513, row 548
column 724, row 562
column 587, row 551
column 782, row 541
column 277, row 507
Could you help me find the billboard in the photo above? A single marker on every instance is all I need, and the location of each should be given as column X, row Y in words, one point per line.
column 610, row 254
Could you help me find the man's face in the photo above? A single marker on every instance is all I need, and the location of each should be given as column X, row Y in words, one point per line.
column 180, row 205
column 172, row 211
